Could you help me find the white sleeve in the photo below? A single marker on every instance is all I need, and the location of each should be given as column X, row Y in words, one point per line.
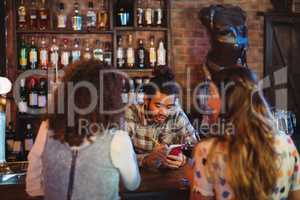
column 34, row 179
column 124, row 158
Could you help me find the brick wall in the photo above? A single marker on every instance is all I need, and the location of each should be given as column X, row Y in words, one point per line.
column 190, row 41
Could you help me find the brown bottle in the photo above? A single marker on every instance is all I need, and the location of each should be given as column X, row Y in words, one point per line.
column 33, row 15
column 22, row 15
column 43, row 17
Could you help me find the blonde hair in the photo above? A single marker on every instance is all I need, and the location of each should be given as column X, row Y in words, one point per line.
column 250, row 149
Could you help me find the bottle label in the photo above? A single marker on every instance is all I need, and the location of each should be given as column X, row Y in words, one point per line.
column 77, row 23
column 87, row 56
column 65, row 58
column 44, row 16
column 132, row 97
column 23, row 57
column 91, row 19
column 148, row 16
column 28, row 144
column 42, row 101
column 159, row 16
column 33, row 99
column 152, row 56
column 98, row 54
column 33, row 56
column 44, row 57
column 130, row 56
column 22, row 105
column 76, row 55
column 140, row 12
column 161, row 57
column 10, row 145
column 140, row 97
column 54, row 58
column 125, row 98
column 17, row 146
column 33, row 16
column 107, row 58
column 62, row 21
column 22, row 14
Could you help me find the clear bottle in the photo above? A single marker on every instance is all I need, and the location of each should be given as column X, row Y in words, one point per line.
column 139, row 91
column 23, row 56
column 120, row 53
column 140, row 13
column 33, row 15
column 98, row 51
column 43, row 17
column 61, row 17
column 130, row 53
column 132, row 94
column 22, row 13
column 125, row 92
column 22, row 104
column 159, row 14
column 87, row 55
column 91, row 16
column 107, row 54
column 28, row 139
column 148, row 15
column 141, row 55
column 54, row 54
column 33, row 55
column 42, row 93
column 152, row 53
column 161, row 54
column 76, row 18
column 43, row 55
column 76, row 51
column 102, row 16
column 65, row 54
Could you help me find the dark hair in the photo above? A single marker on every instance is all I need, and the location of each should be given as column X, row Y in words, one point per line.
column 163, row 81
column 110, row 92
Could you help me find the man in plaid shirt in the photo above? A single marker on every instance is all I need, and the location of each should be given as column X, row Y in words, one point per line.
column 159, row 122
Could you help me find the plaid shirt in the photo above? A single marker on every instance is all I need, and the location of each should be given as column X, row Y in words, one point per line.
column 176, row 129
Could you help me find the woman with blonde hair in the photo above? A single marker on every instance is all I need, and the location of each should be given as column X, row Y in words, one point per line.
column 249, row 159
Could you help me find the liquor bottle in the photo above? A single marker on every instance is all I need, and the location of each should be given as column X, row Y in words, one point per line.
column 76, row 18
column 22, row 104
column 23, row 57
column 22, row 13
column 161, row 54
column 152, row 53
column 43, row 17
column 102, row 16
column 125, row 92
column 91, row 16
column 141, row 55
column 87, row 55
column 9, row 137
column 139, row 91
column 120, row 53
column 33, row 55
column 132, row 94
column 42, row 93
column 61, row 17
column 33, row 93
column 107, row 54
column 28, row 140
column 18, row 152
column 130, row 53
column 124, row 13
column 148, row 15
column 33, row 15
column 65, row 54
column 98, row 51
column 159, row 14
column 43, row 55
column 76, row 51
column 54, row 56
column 140, row 13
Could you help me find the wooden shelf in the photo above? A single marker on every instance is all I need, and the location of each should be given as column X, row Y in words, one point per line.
column 145, row 70
column 30, row 116
column 62, row 32
column 141, row 29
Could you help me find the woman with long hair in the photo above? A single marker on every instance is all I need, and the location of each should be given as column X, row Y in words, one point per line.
column 80, row 153
column 248, row 159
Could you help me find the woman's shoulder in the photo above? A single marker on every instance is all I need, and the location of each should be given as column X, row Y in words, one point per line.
column 208, row 144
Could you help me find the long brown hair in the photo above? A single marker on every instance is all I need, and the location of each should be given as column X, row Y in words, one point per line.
column 250, row 166
column 109, row 97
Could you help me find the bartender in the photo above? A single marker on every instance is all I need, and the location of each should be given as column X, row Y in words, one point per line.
column 158, row 123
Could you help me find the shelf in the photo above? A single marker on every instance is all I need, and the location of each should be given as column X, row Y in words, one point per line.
column 63, row 32
column 141, row 29
column 30, row 116
column 146, row 70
